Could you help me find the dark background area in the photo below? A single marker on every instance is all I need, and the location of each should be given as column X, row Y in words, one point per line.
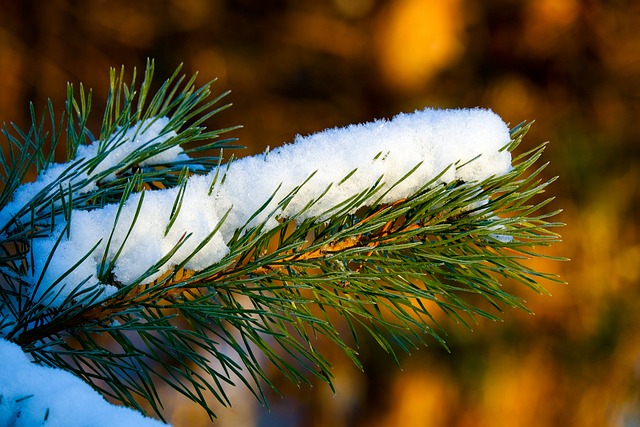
column 301, row 66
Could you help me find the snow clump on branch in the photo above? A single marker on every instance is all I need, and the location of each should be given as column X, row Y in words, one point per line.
column 33, row 395
column 334, row 165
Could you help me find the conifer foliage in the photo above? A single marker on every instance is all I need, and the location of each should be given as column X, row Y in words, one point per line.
column 244, row 292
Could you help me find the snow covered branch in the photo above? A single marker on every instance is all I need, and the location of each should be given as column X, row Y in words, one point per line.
column 151, row 233
column 32, row 395
column 172, row 257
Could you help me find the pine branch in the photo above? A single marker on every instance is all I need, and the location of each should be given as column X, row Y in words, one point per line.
column 379, row 264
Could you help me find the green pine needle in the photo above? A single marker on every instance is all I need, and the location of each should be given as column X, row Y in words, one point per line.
column 381, row 271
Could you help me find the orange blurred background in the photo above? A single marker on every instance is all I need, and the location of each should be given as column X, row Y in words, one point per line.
column 301, row 66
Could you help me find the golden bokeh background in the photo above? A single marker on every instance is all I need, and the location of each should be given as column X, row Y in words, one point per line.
column 301, row 66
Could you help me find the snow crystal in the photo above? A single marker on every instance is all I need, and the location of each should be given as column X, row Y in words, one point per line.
column 365, row 153
column 33, row 395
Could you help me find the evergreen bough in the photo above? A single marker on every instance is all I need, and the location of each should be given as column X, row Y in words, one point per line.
column 381, row 271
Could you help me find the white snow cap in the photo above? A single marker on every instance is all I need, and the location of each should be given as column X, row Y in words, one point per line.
column 383, row 149
column 33, row 395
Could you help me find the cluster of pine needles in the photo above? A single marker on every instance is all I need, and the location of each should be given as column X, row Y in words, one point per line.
column 459, row 247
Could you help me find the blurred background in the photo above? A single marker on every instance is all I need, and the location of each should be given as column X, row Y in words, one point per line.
column 300, row 66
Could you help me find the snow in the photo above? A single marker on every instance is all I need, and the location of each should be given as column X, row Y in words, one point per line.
column 34, row 395
column 388, row 149
column 119, row 147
